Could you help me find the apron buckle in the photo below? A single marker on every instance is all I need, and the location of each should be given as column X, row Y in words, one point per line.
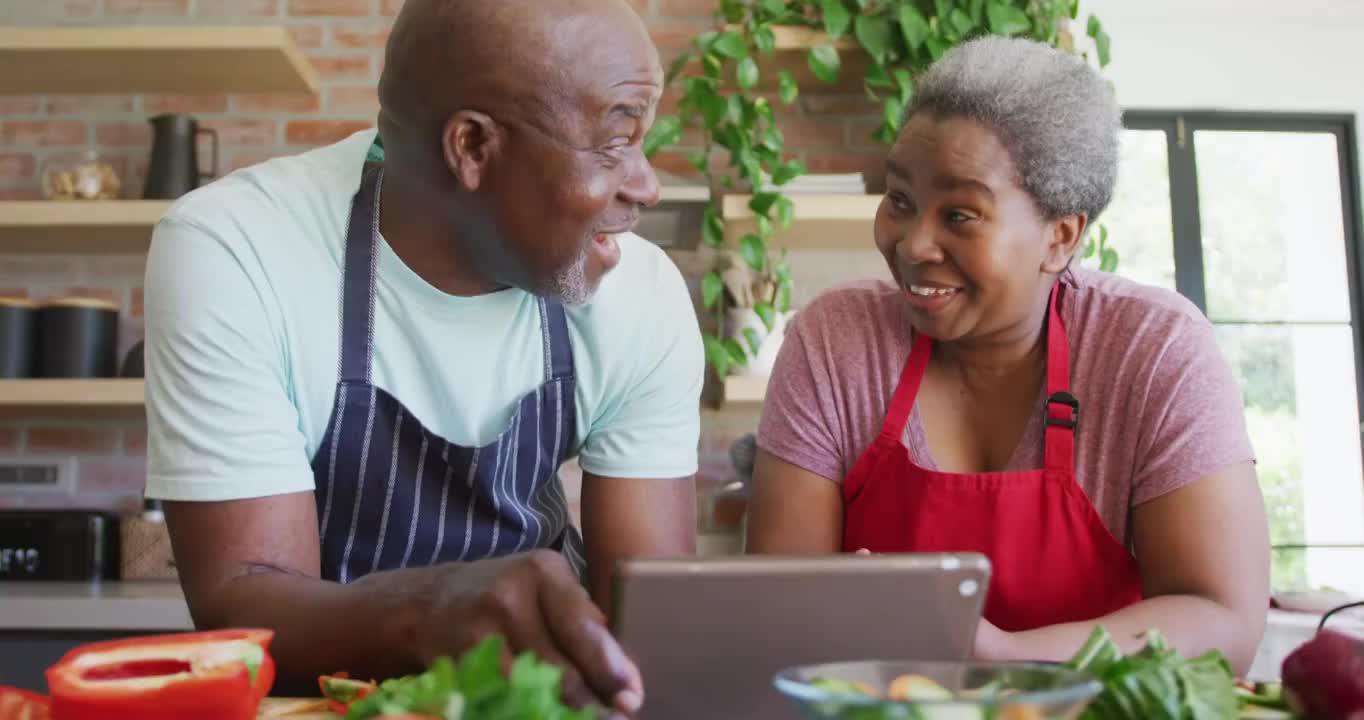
column 1063, row 398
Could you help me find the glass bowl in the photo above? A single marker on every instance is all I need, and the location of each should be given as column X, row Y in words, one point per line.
column 937, row 690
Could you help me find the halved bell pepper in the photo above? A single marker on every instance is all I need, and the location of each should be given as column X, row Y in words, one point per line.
column 16, row 704
column 214, row 675
column 340, row 690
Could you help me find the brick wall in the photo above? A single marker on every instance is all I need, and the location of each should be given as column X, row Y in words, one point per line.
column 344, row 40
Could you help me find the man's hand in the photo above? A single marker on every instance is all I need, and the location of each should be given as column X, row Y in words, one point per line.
column 536, row 602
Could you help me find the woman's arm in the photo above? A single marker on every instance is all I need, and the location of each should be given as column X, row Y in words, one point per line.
column 792, row 510
column 1203, row 551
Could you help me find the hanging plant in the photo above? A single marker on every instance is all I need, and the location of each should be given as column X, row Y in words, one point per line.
column 720, row 76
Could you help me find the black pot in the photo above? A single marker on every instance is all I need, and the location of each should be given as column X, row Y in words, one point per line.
column 77, row 338
column 18, row 337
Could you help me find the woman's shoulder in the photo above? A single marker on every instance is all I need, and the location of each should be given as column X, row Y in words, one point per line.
column 1110, row 304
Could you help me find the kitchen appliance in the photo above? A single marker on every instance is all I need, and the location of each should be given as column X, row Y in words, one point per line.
column 18, row 337
column 174, row 166
column 77, row 338
column 58, row 545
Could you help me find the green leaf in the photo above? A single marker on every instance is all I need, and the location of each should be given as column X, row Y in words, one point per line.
column 1089, row 248
column 961, row 22
column 755, row 341
column 751, row 249
column 1103, row 235
column 905, row 83
column 746, row 73
column 667, row 130
column 712, row 287
column 704, row 40
column 718, row 355
column 698, row 160
column 731, row 44
column 764, row 109
column 913, row 26
column 892, row 110
column 876, row 76
column 788, row 172
column 786, row 212
column 1005, row 19
column 712, row 227
column 774, row 7
column 712, row 65
column 942, row 8
column 713, row 108
column 784, row 296
column 824, row 62
column 678, row 65
column 762, row 202
column 1095, row 27
column 1209, row 687
column 1102, row 45
column 735, row 352
column 874, row 33
column 978, row 12
column 764, row 226
column 936, row 48
column 1108, row 260
column 765, row 40
column 734, row 109
column 767, row 313
column 788, row 88
column 836, row 18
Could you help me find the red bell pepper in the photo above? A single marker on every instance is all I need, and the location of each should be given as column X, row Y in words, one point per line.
column 215, row 675
column 16, row 704
column 339, row 690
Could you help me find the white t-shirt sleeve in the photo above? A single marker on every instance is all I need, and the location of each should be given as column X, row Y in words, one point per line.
column 651, row 428
column 220, row 421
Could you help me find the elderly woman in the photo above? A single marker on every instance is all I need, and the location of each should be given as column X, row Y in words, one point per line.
column 1080, row 430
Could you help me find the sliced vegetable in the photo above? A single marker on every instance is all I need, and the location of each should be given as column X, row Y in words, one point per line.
column 16, row 704
column 217, row 675
column 340, row 691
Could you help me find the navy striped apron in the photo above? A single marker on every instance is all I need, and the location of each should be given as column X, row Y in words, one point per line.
column 391, row 494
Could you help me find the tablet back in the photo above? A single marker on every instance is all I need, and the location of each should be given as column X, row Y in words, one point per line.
column 710, row 633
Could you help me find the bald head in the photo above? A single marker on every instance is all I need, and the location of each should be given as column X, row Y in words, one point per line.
column 523, row 59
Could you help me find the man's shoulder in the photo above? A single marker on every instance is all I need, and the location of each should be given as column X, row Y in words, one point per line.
column 277, row 198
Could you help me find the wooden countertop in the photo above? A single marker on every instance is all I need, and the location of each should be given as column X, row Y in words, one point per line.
column 290, row 708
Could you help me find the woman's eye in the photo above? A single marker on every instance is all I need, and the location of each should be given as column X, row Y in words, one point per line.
column 900, row 203
column 957, row 217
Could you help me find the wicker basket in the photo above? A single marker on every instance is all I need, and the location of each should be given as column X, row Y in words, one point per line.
column 146, row 550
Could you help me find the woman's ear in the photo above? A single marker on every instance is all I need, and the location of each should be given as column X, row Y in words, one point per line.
column 470, row 142
column 1063, row 241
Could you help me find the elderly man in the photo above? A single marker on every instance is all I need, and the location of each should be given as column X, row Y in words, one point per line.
column 367, row 362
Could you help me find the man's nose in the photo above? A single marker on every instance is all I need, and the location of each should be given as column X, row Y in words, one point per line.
column 641, row 184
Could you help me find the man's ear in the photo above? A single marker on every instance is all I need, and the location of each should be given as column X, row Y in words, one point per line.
column 470, row 141
column 1063, row 241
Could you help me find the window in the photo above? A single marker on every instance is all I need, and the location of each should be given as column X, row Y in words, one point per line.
column 1256, row 219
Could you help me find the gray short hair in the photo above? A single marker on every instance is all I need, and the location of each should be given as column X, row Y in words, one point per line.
column 1056, row 115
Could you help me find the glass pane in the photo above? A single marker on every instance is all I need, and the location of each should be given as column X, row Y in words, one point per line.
column 1139, row 222
column 1273, row 228
column 1298, row 384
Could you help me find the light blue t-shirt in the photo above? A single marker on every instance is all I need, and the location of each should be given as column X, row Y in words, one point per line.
column 243, row 330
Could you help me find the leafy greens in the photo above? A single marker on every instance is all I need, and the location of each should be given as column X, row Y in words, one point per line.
column 475, row 688
column 1156, row 683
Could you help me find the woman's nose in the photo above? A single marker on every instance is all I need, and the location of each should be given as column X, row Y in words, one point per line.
column 918, row 244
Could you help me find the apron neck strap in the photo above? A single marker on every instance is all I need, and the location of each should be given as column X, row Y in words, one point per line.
column 1063, row 409
column 357, row 284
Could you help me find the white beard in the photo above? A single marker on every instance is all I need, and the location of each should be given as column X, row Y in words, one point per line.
column 569, row 286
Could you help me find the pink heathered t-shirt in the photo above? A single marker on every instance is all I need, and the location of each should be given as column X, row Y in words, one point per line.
column 1159, row 405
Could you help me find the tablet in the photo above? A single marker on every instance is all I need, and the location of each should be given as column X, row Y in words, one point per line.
column 708, row 634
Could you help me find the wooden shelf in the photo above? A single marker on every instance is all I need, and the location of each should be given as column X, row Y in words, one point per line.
column 165, row 59
column 78, row 226
column 820, row 222
column 797, row 39
column 745, row 388
column 81, row 398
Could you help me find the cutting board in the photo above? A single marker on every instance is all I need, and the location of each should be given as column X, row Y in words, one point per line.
column 286, row 709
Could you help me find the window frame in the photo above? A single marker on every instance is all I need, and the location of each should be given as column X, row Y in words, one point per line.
column 1179, row 127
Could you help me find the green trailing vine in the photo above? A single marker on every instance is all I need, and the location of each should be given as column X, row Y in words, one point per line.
column 720, row 77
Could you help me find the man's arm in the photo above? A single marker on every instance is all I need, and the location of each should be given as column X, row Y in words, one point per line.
column 254, row 563
column 1203, row 551
column 624, row 517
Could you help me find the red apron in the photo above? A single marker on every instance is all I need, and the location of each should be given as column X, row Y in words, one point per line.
column 1053, row 559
